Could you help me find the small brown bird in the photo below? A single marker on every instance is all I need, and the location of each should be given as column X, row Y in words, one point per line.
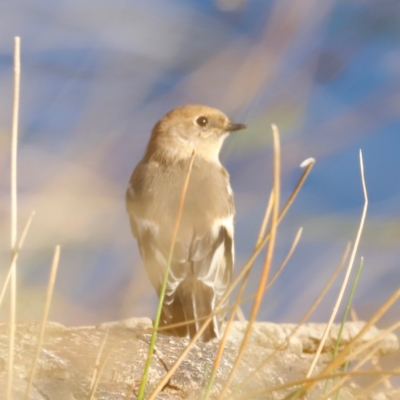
column 202, row 264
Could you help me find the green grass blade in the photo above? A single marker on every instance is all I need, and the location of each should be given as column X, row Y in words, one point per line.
column 164, row 286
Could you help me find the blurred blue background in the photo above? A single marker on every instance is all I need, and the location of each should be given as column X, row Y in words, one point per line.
column 97, row 75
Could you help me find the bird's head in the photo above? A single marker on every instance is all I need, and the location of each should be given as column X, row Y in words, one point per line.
column 193, row 127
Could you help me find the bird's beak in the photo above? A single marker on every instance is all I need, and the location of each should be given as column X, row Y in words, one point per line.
column 234, row 127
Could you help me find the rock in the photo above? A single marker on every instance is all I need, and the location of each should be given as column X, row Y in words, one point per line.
column 68, row 358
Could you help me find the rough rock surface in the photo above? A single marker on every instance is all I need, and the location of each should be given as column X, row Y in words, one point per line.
column 68, row 358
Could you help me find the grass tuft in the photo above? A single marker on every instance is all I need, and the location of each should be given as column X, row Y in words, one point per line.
column 50, row 287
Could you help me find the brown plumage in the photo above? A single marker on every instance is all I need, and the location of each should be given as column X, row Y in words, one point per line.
column 203, row 257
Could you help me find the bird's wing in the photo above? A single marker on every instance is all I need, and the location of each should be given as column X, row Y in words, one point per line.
column 153, row 232
column 154, row 252
column 213, row 255
column 212, row 266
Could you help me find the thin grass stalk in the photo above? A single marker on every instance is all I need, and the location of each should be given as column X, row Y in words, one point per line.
column 365, row 347
column 279, row 270
column 347, row 359
column 348, row 305
column 353, row 314
column 303, row 319
column 344, row 319
column 261, row 234
column 338, row 384
column 386, row 381
column 375, row 339
column 367, row 357
column 221, row 347
column 377, row 366
column 97, row 380
column 314, row 380
column 246, row 267
column 129, row 391
column 267, row 216
column 375, row 363
column 222, row 343
column 97, row 362
column 346, row 278
column 50, row 287
column 268, row 259
column 344, row 353
column 224, row 338
column 164, row 285
column 14, row 141
column 343, row 375
column 287, row 258
column 15, row 256
column 14, row 151
column 369, row 388
column 382, row 379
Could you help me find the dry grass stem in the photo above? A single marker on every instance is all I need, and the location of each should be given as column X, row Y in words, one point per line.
column 338, row 385
column 129, row 391
column 284, row 344
column 15, row 256
column 346, row 278
column 264, row 224
column 344, row 320
column 268, row 259
column 164, row 285
column 14, row 150
column 313, row 381
column 97, row 380
column 375, row 363
column 383, row 379
column 223, row 341
column 50, row 287
column 14, row 140
column 97, row 362
column 386, row 380
column 221, row 347
column 287, row 258
column 238, row 300
column 375, row 339
column 343, row 355
column 353, row 314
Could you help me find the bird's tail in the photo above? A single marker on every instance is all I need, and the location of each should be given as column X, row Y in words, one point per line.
column 198, row 302
column 193, row 300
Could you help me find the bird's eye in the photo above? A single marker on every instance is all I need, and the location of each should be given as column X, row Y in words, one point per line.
column 202, row 121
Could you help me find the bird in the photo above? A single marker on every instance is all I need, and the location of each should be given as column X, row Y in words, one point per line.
column 202, row 263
